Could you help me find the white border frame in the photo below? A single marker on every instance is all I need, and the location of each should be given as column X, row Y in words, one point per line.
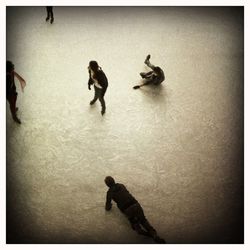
column 4, row 3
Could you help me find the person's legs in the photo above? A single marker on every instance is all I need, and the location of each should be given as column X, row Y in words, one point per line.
column 48, row 14
column 152, row 232
column 131, row 214
column 146, row 225
column 51, row 15
column 137, row 218
column 102, row 101
column 12, row 101
column 146, row 81
column 95, row 96
column 147, row 62
column 142, row 219
column 146, row 74
column 137, row 227
column 150, row 65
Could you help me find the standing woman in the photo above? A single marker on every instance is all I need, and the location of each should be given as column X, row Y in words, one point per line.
column 100, row 82
column 11, row 89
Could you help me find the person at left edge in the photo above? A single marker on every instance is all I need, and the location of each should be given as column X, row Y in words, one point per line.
column 11, row 93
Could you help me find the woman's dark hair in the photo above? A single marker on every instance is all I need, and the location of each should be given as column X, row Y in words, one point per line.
column 9, row 66
column 93, row 65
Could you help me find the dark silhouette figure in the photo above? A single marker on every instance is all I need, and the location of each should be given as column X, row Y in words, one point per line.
column 11, row 93
column 129, row 206
column 50, row 15
column 155, row 76
column 100, row 82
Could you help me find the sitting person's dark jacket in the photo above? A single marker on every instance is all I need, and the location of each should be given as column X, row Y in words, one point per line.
column 159, row 77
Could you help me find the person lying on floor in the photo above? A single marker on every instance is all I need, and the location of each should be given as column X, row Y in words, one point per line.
column 155, row 76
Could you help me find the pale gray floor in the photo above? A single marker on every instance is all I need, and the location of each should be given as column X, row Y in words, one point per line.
column 177, row 148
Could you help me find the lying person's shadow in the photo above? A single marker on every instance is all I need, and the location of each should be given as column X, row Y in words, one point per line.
column 159, row 94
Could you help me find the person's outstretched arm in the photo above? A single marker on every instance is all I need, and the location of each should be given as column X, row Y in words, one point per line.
column 90, row 82
column 21, row 80
column 108, row 205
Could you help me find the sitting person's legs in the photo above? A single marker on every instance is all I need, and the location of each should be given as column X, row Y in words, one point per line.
column 147, row 62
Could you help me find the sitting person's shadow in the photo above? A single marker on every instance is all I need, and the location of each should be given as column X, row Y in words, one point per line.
column 157, row 94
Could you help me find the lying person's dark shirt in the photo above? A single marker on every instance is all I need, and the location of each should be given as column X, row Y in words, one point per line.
column 121, row 196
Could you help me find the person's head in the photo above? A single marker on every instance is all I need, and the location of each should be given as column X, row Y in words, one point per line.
column 9, row 66
column 157, row 70
column 109, row 181
column 93, row 65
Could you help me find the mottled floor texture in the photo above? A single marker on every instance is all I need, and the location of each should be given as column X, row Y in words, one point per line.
column 178, row 147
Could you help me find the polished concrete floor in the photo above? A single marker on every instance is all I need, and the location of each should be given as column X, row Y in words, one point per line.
column 178, row 147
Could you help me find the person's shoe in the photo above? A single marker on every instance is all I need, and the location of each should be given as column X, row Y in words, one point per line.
column 92, row 102
column 52, row 20
column 159, row 240
column 143, row 75
column 136, row 87
column 17, row 120
column 103, row 112
column 147, row 58
column 47, row 19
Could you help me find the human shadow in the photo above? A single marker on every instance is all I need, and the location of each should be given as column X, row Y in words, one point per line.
column 156, row 93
